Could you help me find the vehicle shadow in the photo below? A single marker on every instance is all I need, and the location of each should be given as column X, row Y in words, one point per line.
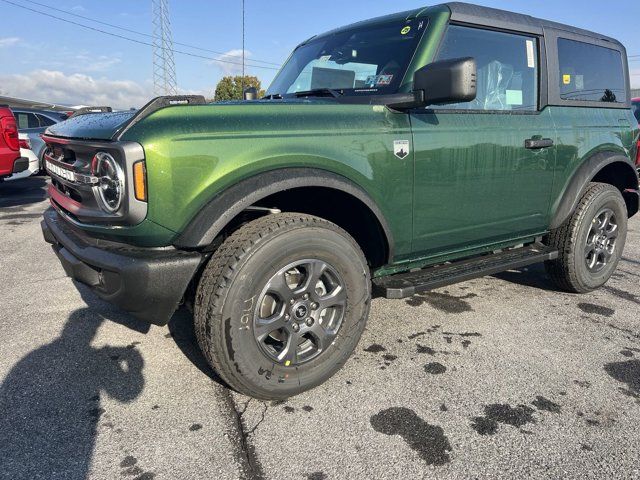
column 182, row 330
column 50, row 405
column 23, row 192
column 532, row 276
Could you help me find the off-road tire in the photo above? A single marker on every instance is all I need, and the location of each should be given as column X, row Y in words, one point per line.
column 235, row 277
column 569, row 271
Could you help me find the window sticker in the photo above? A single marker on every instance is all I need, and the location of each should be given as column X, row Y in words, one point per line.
column 514, row 97
column 379, row 80
column 566, row 79
column 579, row 82
column 405, row 30
column 324, row 58
column 384, row 80
column 531, row 59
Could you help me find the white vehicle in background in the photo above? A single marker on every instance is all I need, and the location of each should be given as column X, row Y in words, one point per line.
column 25, row 151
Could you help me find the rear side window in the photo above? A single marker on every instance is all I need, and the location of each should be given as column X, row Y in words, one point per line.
column 507, row 67
column 589, row 73
column 27, row 120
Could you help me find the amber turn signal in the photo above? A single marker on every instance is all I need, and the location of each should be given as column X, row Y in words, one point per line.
column 140, row 181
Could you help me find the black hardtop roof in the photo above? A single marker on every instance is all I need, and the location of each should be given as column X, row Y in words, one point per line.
column 503, row 19
column 478, row 15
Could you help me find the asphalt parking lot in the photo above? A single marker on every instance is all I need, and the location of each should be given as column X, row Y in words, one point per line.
column 501, row 377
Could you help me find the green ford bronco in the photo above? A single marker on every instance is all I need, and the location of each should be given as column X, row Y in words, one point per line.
column 392, row 156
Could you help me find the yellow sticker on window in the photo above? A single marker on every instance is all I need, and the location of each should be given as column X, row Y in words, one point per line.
column 405, row 30
column 566, row 79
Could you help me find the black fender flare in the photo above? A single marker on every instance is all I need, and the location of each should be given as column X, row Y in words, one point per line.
column 227, row 204
column 585, row 173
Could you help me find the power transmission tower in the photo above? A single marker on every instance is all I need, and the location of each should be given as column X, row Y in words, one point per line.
column 164, row 68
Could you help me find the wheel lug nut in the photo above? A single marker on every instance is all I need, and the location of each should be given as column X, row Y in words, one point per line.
column 287, row 317
column 295, row 327
column 309, row 322
column 314, row 306
column 292, row 301
column 305, row 296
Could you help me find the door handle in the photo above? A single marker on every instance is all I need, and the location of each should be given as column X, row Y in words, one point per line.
column 538, row 143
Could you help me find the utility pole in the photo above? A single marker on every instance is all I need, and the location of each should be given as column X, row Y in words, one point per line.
column 164, row 69
column 243, row 56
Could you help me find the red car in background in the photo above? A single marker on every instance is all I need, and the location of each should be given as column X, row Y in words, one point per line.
column 10, row 160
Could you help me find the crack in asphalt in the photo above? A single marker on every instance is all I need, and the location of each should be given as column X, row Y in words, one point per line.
column 244, row 451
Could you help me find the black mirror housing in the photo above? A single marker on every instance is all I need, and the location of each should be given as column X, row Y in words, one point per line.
column 440, row 83
column 447, row 81
column 250, row 93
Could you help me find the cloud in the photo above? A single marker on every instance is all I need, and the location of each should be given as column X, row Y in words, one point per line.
column 75, row 89
column 8, row 41
column 234, row 56
column 98, row 63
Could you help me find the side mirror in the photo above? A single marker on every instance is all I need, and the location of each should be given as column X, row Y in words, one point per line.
column 250, row 93
column 447, row 81
column 439, row 83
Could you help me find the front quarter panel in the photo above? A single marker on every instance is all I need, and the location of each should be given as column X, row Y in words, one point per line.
column 193, row 153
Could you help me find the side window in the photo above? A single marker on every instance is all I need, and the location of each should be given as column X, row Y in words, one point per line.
column 507, row 67
column 589, row 73
column 27, row 120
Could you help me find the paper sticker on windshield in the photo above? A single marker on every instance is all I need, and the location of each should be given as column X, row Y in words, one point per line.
column 566, row 79
column 401, row 148
column 324, row 58
column 405, row 30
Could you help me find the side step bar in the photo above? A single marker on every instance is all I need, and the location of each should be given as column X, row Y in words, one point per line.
column 404, row 285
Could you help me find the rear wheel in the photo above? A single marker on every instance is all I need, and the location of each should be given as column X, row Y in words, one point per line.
column 591, row 241
column 282, row 304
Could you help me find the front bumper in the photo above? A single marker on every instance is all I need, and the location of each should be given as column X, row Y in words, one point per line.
column 146, row 282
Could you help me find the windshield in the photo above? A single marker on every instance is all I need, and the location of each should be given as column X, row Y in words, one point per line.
column 361, row 61
column 635, row 106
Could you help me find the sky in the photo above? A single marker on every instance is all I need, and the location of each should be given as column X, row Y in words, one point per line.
column 46, row 59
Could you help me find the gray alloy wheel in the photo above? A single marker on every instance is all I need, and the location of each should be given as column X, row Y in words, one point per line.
column 299, row 312
column 601, row 240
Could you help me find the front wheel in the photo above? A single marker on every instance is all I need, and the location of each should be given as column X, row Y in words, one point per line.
column 590, row 242
column 282, row 304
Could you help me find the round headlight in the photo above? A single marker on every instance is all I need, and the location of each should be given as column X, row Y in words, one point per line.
column 110, row 185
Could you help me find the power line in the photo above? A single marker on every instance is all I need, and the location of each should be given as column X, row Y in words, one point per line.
column 142, row 33
column 131, row 39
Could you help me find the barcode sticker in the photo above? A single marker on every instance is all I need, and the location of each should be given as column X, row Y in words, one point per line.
column 531, row 59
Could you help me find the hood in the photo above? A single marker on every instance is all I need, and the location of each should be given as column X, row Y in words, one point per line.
column 91, row 126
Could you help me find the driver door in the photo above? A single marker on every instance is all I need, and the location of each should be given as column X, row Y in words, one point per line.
column 476, row 183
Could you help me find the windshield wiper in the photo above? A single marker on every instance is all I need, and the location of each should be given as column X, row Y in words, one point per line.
column 320, row 92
